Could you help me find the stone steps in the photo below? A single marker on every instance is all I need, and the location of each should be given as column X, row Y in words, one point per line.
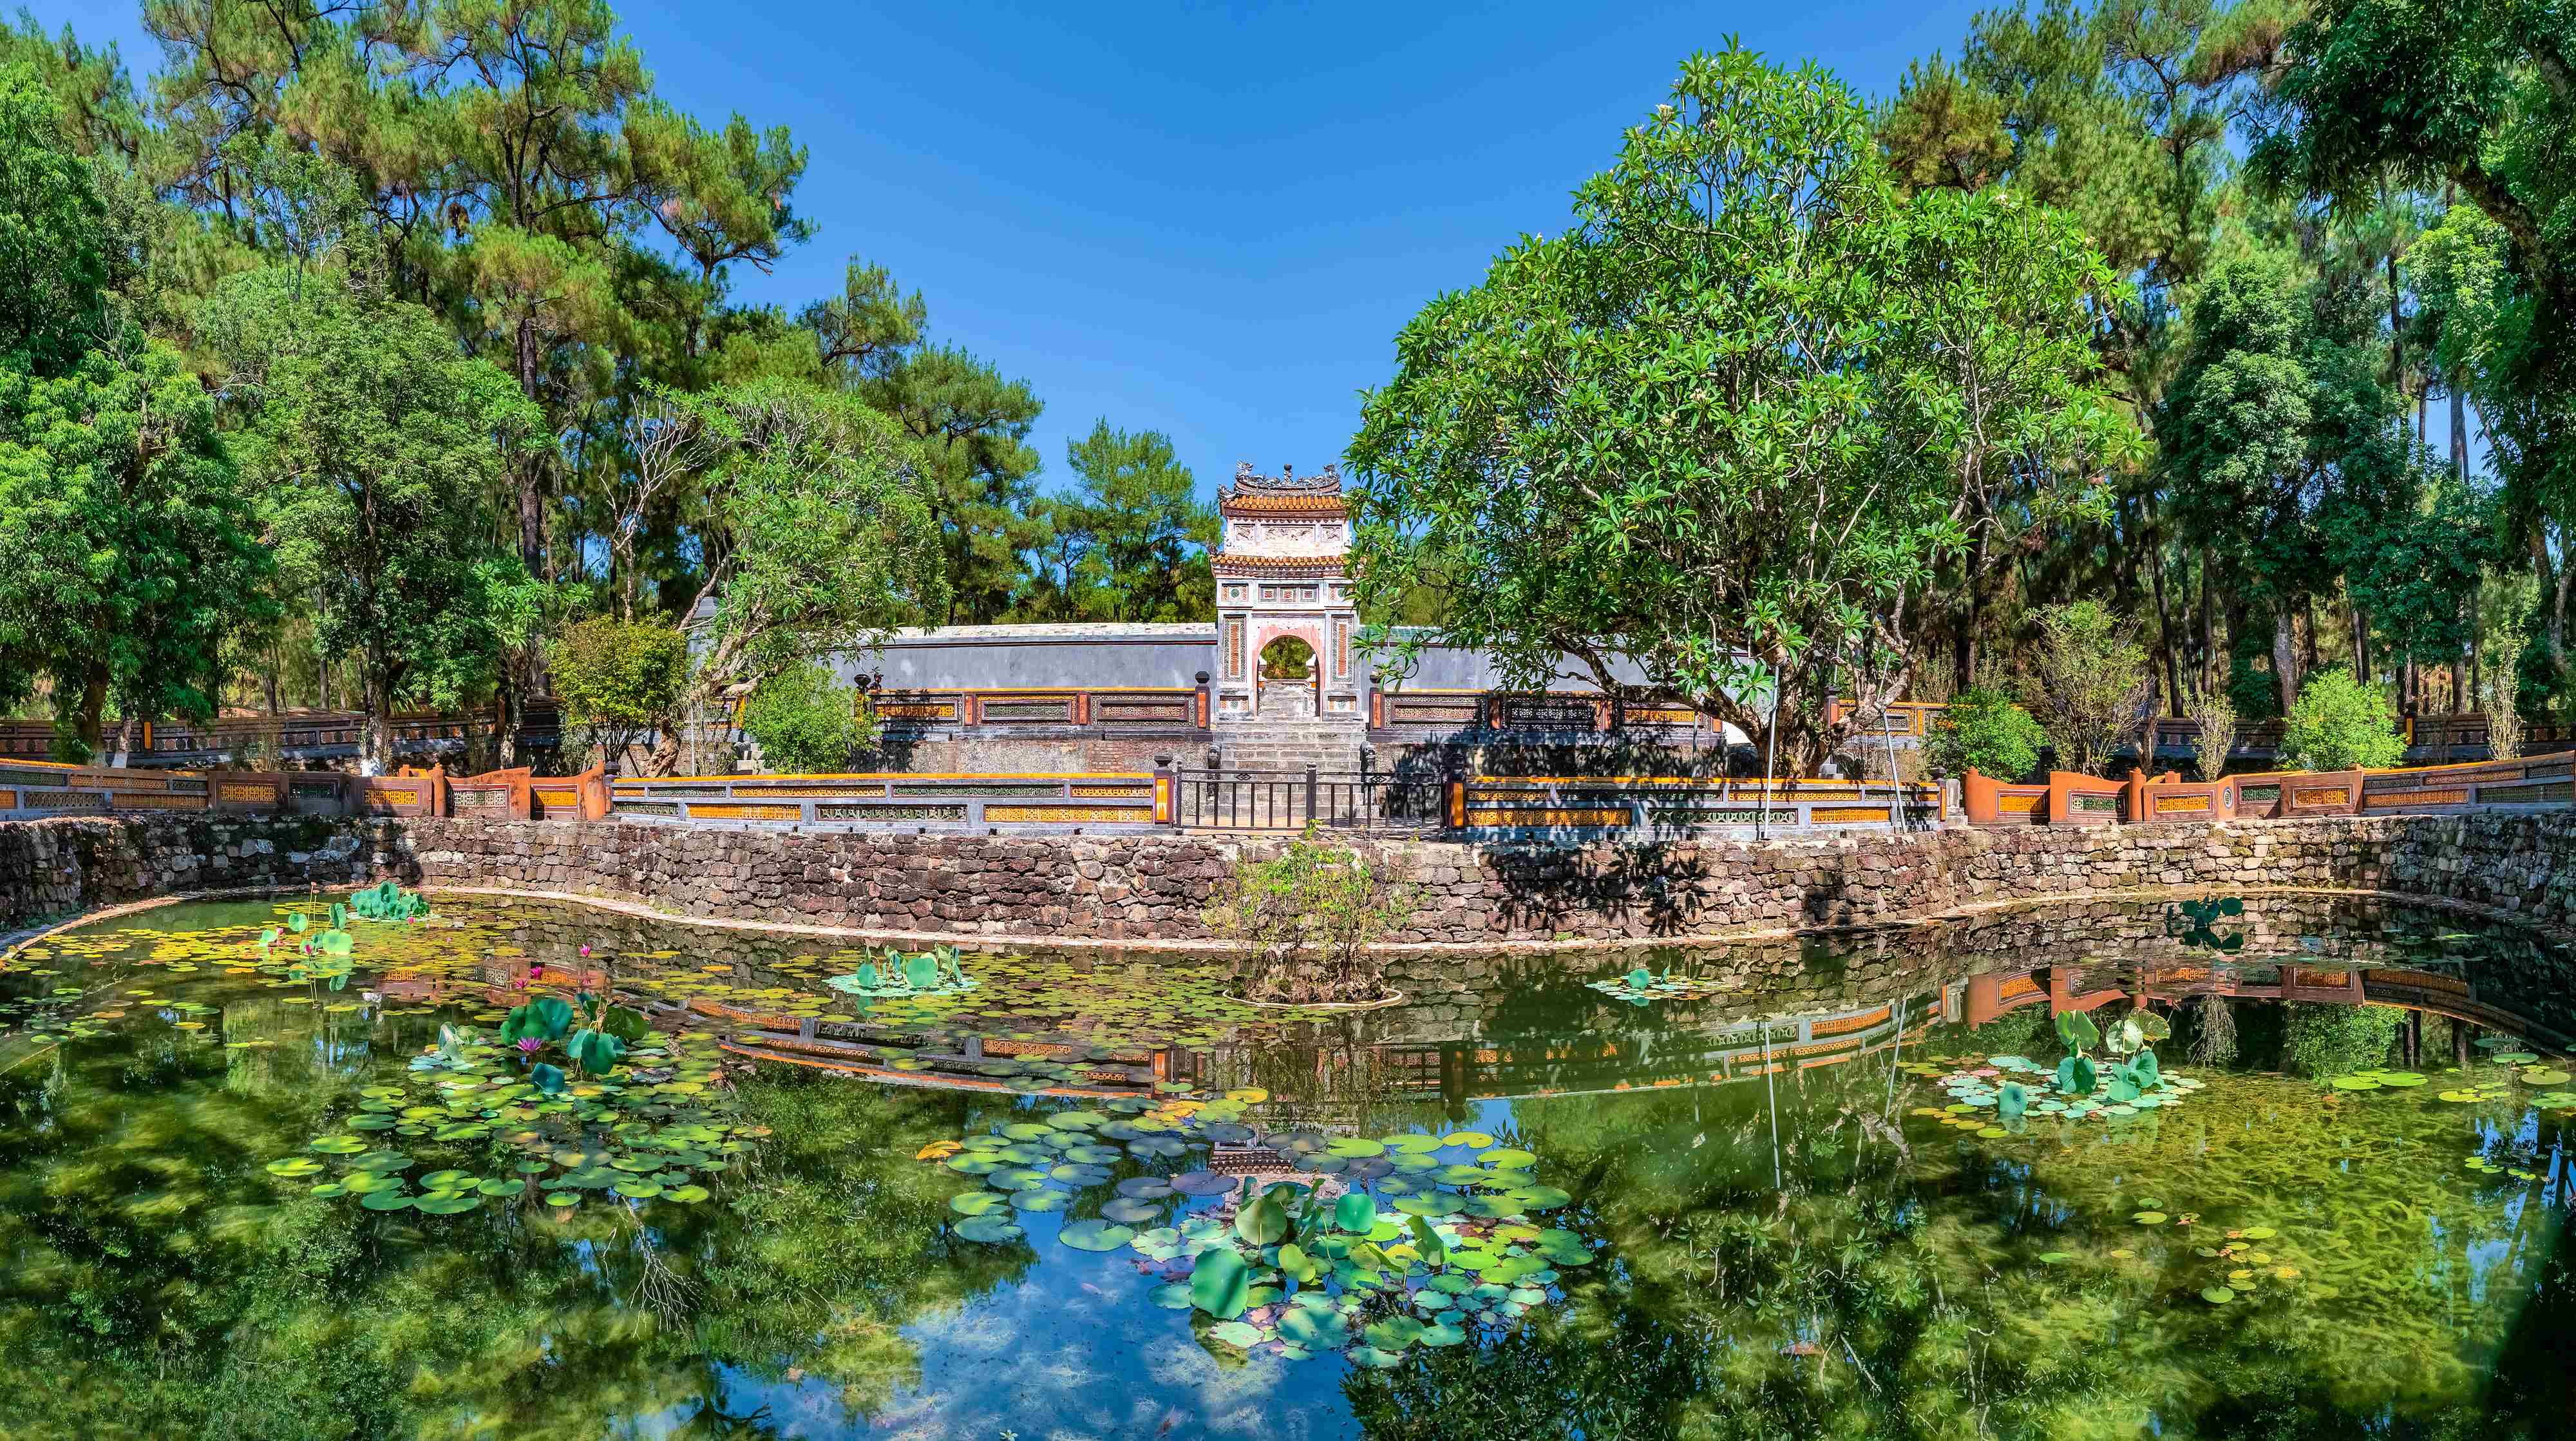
column 1291, row 745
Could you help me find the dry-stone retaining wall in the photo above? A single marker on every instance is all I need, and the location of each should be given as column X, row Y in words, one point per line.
column 1152, row 887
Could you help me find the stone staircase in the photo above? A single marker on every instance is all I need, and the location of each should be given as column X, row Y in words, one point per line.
column 1291, row 745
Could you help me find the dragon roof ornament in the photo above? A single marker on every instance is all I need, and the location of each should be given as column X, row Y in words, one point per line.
column 1286, row 482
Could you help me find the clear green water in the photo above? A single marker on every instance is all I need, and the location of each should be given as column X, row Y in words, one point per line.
column 1791, row 1252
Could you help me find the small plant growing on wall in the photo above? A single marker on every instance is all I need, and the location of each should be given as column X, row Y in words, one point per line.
column 1307, row 917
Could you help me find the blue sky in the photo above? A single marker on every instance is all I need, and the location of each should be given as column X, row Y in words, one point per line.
column 1208, row 220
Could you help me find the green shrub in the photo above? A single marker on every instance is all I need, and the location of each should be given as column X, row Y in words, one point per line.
column 2337, row 723
column 1984, row 730
column 2090, row 682
column 617, row 678
column 1308, row 917
column 2323, row 1041
column 806, row 722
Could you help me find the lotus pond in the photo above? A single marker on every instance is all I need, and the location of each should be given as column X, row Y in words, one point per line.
column 2282, row 1166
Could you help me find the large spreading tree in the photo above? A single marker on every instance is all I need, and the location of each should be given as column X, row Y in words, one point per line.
column 125, row 522
column 380, row 448
column 1711, row 443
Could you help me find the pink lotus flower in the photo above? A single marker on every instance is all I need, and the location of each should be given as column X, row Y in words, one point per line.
column 528, row 1045
column 585, row 952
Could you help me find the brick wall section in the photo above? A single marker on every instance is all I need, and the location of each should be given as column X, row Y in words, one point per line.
column 1152, row 887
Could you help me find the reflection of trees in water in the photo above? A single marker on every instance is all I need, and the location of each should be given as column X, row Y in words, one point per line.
column 1883, row 1291
column 210, row 1313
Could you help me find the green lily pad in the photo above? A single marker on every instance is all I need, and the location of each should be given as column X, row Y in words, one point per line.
column 1095, row 1236
column 1236, row 1333
column 688, row 1195
column 2218, row 1295
column 988, row 1230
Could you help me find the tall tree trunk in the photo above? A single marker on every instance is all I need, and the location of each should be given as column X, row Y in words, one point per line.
column 2459, row 434
column 88, row 724
column 2308, row 653
column 2285, row 655
column 2165, row 639
column 2360, row 640
column 2209, row 681
column 376, row 743
column 1963, row 648
column 2397, row 340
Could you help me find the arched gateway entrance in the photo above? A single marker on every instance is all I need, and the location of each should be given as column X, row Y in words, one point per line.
column 1290, row 673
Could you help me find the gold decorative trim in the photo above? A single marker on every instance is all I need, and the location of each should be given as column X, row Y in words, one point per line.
column 1106, row 815
column 1831, row 815
column 717, row 810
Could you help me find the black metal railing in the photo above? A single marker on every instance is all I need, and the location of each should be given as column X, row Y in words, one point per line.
column 1281, row 800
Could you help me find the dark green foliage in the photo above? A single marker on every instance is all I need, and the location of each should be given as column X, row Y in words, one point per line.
column 619, row 676
column 1724, row 416
column 53, row 233
column 1130, row 542
column 2322, row 1042
column 806, row 722
column 1987, row 731
column 2339, row 723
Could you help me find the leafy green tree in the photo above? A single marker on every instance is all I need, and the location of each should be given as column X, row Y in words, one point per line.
column 819, row 534
column 806, row 722
column 2338, row 724
column 2473, row 96
column 53, row 234
column 1703, row 433
column 970, row 431
column 128, row 533
column 1985, row 731
column 2002, row 384
column 380, row 444
column 1131, row 542
column 2089, row 676
column 2273, row 426
column 130, row 537
column 616, row 677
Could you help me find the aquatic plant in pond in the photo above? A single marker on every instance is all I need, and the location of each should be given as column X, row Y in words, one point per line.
column 1413, row 1239
column 1768, row 1244
column 2195, row 924
column 1641, row 986
column 895, row 975
column 2128, row 1080
column 387, row 901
